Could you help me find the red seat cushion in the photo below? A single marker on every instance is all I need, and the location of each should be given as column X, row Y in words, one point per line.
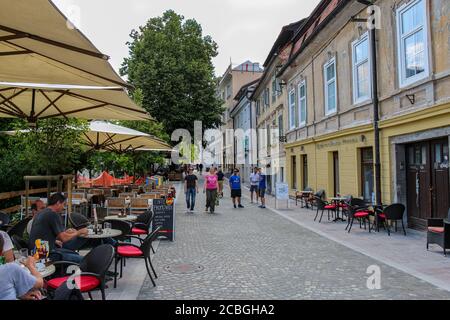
column 382, row 216
column 361, row 214
column 138, row 231
column 85, row 283
column 129, row 251
column 436, row 229
column 330, row 207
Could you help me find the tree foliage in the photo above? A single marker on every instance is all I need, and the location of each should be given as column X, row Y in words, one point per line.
column 52, row 148
column 171, row 63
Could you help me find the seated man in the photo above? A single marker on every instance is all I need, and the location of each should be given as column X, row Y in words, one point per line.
column 16, row 282
column 48, row 226
column 36, row 207
column 6, row 247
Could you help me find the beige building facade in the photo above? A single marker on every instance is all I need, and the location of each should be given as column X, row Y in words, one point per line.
column 271, row 117
column 229, row 85
column 330, row 132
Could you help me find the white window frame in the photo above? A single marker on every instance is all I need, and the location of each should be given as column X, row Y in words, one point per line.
column 291, row 104
column 403, row 81
column 228, row 91
column 280, row 124
column 302, row 122
column 326, row 82
column 355, row 65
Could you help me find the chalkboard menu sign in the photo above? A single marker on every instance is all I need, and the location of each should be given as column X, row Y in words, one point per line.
column 164, row 218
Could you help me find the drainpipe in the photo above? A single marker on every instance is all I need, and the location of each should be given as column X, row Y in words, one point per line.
column 376, row 117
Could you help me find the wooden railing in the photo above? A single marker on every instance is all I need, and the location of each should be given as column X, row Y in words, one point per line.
column 15, row 194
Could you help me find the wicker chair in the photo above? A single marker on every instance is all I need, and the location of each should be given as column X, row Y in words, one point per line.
column 138, row 205
column 127, row 195
column 438, row 232
column 149, row 196
column 115, row 205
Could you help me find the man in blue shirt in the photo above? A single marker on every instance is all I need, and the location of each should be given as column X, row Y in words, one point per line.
column 262, row 189
column 20, row 282
column 235, row 186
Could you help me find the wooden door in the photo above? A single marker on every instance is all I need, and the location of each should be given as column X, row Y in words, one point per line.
column 418, row 184
column 440, row 178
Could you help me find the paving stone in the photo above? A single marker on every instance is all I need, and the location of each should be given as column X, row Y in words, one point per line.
column 252, row 253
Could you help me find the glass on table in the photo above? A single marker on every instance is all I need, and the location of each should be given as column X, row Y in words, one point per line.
column 107, row 226
column 23, row 254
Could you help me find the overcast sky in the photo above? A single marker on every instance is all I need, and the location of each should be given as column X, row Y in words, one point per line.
column 243, row 29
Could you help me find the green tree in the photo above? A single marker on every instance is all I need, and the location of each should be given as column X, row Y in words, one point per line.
column 53, row 148
column 171, row 63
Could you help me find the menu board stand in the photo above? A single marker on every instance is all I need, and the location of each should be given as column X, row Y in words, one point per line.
column 164, row 218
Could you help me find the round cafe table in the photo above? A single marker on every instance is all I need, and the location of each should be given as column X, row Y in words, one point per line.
column 337, row 201
column 45, row 272
column 48, row 271
column 129, row 218
column 106, row 233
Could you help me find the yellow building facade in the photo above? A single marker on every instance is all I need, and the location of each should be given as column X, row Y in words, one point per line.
column 332, row 147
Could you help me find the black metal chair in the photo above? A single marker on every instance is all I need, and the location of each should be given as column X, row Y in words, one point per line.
column 78, row 221
column 345, row 205
column 67, row 292
column 123, row 226
column 18, row 242
column 359, row 210
column 127, row 250
column 318, row 195
column 19, row 228
column 393, row 212
column 4, row 220
column 438, row 232
column 322, row 206
column 93, row 267
column 143, row 223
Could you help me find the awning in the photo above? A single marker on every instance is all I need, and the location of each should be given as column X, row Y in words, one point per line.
column 40, row 101
column 111, row 137
column 37, row 45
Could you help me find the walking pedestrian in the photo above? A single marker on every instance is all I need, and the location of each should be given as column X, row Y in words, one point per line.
column 211, row 186
column 235, row 186
column 200, row 166
column 190, row 189
column 262, row 188
column 220, row 176
column 254, row 183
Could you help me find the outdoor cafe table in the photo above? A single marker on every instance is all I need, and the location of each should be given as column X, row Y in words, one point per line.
column 129, row 218
column 48, row 270
column 45, row 272
column 336, row 201
column 305, row 195
column 106, row 233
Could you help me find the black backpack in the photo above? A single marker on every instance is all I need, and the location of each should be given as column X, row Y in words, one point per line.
column 65, row 293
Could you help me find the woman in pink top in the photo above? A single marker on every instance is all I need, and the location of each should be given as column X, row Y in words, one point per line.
column 210, row 187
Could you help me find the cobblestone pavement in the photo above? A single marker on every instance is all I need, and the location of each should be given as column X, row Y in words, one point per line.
column 252, row 253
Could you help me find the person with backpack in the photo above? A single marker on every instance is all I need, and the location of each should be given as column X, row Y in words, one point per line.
column 254, row 183
column 262, row 188
column 220, row 178
column 190, row 189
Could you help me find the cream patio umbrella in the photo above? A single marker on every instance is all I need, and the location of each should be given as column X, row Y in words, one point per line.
column 43, row 101
column 107, row 136
column 39, row 45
